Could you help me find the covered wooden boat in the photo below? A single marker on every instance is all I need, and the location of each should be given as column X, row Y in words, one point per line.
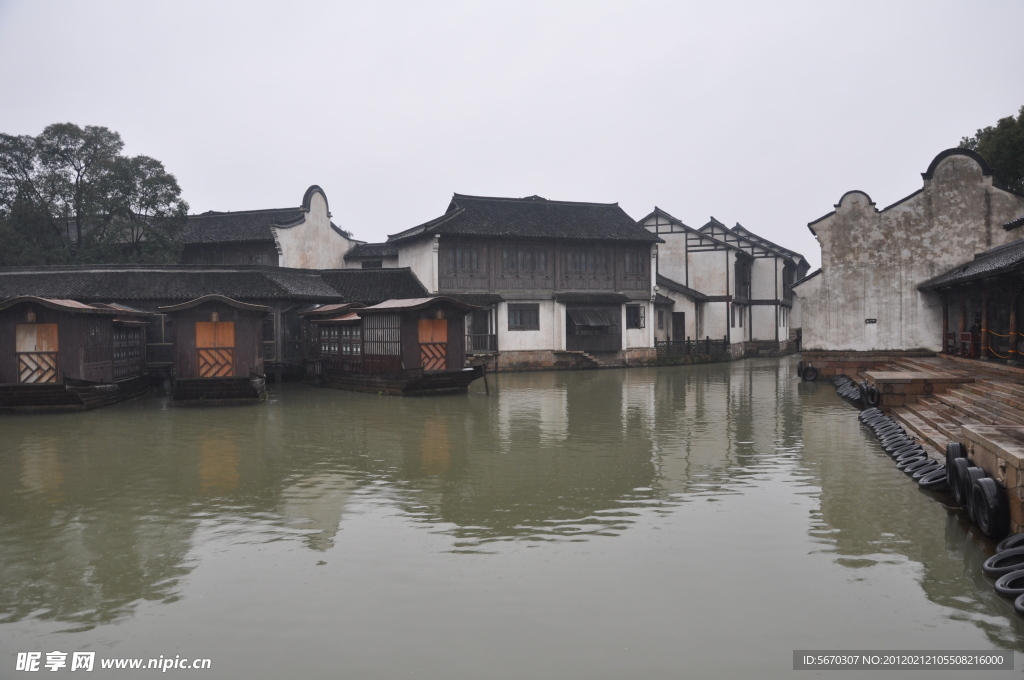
column 399, row 347
column 218, row 351
column 63, row 355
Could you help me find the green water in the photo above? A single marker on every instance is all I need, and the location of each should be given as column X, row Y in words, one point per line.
column 652, row 523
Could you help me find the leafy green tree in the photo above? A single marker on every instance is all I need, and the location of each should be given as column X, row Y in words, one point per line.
column 69, row 195
column 1002, row 147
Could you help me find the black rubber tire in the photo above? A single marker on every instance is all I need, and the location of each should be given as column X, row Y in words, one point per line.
column 954, row 450
column 1010, row 585
column 897, row 444
column 918, row 472
column 993, row 514
column 909, row 448
column 876, row 418
column 955, row 475
column 920, row 465
column 907, row 462
column 893, row 436
column 973, row 475
column 810, row 373
column 868, row 413
column 913, row 453
column 871, row 396
column 884, row 430
column 1018, row 605
column 1004, row 562
column 934, row 480
column 1015, row 541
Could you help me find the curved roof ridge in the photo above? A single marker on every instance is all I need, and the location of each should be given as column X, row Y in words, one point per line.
column 943, row 155
column 532, row 199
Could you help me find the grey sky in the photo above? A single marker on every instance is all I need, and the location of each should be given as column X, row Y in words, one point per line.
column 754, row 112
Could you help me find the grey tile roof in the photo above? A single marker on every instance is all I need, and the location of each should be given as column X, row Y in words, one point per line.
column 136, row 283
column 533, row 217
column 665, row 282
column 660, row 299
column 236, row 227
column 1015, row 223
column 1001, row 260
column 372, row 286
column 381, row 250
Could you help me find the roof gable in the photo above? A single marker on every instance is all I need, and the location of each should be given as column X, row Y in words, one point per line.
column 532, row 217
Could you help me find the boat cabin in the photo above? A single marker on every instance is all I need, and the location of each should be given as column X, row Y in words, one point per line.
column 409, row 346
column 218, row 350
column 88, row 355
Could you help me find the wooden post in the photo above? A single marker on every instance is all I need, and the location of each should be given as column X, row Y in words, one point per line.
column 945, row 322
column 1012, row 354
column 984, row 325
column 962, row 326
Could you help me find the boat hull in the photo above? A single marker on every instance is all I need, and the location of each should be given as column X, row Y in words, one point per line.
column 71, row 395
column 407, row 384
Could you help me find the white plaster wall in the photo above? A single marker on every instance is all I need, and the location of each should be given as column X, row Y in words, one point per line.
column 420, row 255
column 640, row 337
column 763, row 324
column 709, row 273
column 313, row 244
column 872, row 262
column 796, row 313
column 386, row 263
column 672, row 257
column 763, row 279
column 549, row 337
column 716, row 320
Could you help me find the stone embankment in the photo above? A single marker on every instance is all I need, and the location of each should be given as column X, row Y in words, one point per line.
column 943, row 399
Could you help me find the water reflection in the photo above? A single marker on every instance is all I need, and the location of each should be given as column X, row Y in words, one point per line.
column 102, row 511
column 871, row 516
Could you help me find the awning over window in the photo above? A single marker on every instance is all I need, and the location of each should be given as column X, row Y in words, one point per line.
column 587, row 316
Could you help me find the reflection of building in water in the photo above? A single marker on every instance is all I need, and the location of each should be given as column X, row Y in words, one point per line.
column 315, row 504
column 435, row 447
column 541, row 407
column 871, row 516
column 218, row 466
column 638, row 400
column 42, row 471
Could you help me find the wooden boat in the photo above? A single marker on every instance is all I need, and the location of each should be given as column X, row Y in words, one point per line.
column 411, row 383
column 218, row 351
column 63, row 355
column 411, row 347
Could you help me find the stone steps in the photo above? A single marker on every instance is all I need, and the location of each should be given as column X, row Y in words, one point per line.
column 930, row 439
column 998, row 403
column 940, row 420
column 1003, row 389
column 979, row 408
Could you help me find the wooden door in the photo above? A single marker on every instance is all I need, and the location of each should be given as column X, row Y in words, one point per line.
column 215, row 349
column 36, row 347
column 433, row 344
column 678, row 326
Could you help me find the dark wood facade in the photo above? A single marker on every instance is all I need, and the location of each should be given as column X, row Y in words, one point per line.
column 479, row 265
column 218, row 350
column 64, row 355
column 413, row 346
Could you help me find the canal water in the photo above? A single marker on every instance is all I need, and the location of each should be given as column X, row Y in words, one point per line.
column 698, row 521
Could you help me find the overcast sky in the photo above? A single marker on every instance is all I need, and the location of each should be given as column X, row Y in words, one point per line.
column 762, row 113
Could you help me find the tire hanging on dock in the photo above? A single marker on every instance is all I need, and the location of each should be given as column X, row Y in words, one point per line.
column 992, row 513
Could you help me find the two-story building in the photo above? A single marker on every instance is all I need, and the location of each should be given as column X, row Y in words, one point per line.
column 761, row 311
column 731, row 283
column 561, row 283
column 302, row 237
